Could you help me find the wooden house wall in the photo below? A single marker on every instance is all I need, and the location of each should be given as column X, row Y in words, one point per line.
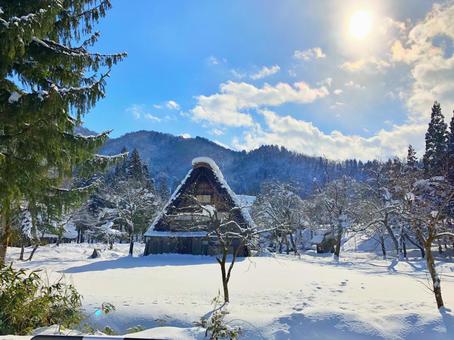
column 188, row 245
column 202, row 181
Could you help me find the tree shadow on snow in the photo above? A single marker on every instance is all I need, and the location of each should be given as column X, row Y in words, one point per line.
column 160, row 260
column 448, row 320
column 298, row 326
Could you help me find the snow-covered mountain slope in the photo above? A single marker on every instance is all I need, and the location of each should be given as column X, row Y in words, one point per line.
column 284, row 297
column 169, row 158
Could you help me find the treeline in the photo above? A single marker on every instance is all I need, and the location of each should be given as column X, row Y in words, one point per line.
column 169, row 158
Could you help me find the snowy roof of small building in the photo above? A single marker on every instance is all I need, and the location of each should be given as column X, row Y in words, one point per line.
column 209, row 163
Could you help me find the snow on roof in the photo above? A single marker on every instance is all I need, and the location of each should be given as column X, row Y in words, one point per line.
column 246, row 200
column 69, row 232
column 197, row 162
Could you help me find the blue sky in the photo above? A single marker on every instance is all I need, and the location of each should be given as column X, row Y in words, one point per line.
column 334, row 78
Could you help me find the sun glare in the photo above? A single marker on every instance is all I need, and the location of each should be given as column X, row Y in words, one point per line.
column 360, row 24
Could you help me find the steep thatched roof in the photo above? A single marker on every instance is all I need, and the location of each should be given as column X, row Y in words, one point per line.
column 210, row 168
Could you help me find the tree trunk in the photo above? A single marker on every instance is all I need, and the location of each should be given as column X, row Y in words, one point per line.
column 35, row 247
column 433, row 274
column 131, row 245
column 337, row 249
column 292, row 241
column 287, row 246
column 22, row 250
column 225, row 282
column 5, row 231
column 383, row 248
column 391, row 234
column 423, row 253
column 404, row 247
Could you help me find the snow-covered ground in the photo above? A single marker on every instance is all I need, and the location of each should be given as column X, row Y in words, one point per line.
column 283, row 297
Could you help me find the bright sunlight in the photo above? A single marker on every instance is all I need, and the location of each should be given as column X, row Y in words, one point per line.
column 360, row 24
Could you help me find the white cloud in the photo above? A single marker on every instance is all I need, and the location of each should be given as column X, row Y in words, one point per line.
column 216, row 132
column 354, row 85
column 304, row 137
column 238, row 74
column 327, row 82
column 265, row 72
column 432, row 65
column 185, row 135
column 365, row 64
column 336, row 105
column 309, row 54
column 172, row 105
column 151, row 117
column 230, row 105
column 212, row 60
column 140, row 112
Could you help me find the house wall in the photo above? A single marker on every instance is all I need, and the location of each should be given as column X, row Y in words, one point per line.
column 187, row 245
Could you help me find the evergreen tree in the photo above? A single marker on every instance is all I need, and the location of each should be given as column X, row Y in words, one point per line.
column 434, row 158
column 412, row 161
column 47, row 84
column 450, row 151
column 135, row 168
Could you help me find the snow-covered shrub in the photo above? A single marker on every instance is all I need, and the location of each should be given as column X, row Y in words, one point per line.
column 215, row 325
column 27, row 302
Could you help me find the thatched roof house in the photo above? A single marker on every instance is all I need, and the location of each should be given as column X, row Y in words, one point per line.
column 182, row 226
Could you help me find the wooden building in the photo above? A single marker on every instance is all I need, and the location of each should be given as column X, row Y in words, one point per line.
column 183, row 226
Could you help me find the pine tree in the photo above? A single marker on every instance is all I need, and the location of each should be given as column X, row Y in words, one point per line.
column 47, row 84
column 450, row 151
column 135, row 169
column 434, row 157
column 412, row 161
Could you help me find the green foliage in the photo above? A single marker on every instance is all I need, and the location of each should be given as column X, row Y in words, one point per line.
column 216, row 326
column 107, row 307
column 436, row 143
column 135, row 329
column 47, row 85
column 450, row 150
column 27, row 302
column 109, row 331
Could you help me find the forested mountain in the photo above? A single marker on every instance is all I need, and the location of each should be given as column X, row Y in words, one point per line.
column 169, row 158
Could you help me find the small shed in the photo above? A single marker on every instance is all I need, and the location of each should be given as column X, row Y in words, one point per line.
column 182, row 226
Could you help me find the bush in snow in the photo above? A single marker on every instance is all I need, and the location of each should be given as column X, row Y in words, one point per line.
column 215, row 324
column 27, row 302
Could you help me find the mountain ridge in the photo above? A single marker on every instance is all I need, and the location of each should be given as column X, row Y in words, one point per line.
column 169, row 158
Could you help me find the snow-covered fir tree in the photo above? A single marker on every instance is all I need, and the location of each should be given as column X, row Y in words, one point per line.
column 435, row 153
column 50, row 79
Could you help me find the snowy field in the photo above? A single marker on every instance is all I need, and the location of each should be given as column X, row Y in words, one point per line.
column 284, row 297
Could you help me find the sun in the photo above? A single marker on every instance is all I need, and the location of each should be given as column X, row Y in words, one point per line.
column 360, row 24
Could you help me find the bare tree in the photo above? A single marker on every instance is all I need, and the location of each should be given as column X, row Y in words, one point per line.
column 427, row 214
column 131, row 201
column 231, row 238
column 379, row 208
column 279, row 206
column 338, row 202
